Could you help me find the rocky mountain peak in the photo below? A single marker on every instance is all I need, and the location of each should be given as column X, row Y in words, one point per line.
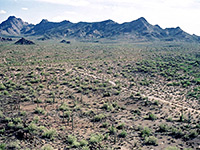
column 138, row 30
column 44, row 21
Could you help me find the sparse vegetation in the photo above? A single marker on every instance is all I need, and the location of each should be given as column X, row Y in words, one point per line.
column 54, row 96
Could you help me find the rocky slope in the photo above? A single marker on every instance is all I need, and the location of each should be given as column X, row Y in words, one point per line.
column 14, row 26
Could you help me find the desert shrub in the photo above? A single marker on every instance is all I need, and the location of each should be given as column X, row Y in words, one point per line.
column 163, row 128
column 182, row 118
column 172, row 148
column 64, row 106
column 47, row 147
column 193, row 134
column 11, row 125
column 42, row 129
column 50, row 134
column 2, row 87
column 95, row 138
column 36, row 119
column 1, row 114
column 177, row 133
column 107, row 107
column 151, row 140
column 136, row 112
column 19, row 126
column 104, row 125
column 156, row 102
column 145, row 132
column 2, row 146
column 83, row 143
column 41, row 85
column 66, row 114
column 39, row 110
column 123, row 134
column 85, row 148
column 32, row 128
column 98, row 118
column 71, row 139
column 49, row 100
column 106, row 94
column 112, row 130
column 37, row 100
column 2, row 131
column 22, row 113
column 151, row 116
column 121, row 126
column 76, row 144
column 5, row 92
column 17, row 120
column 169, row 119
column 14, row 145
column 8, row 119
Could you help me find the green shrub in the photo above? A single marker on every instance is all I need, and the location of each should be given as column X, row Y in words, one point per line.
column 96, row 138
column 22, row 113
column 1, row 114
column 112, row 130
column 145, row 132
column 169, row 119
column 98, row 118
column 107, row 107
column 47, row 147
column 32, row 127
column 152, row 116
column 39, row 110
column 11, row 125
column 182, row 118
column 2, row 131
column 177, row 133
column 14, row 145
column 163, row 128
column 104, row 125
column 83, row 143
column 17, row 120
column 50, row 134
column 19, row 126
column 172, row 148
column 76, row 144
column 193, row 134
column 36, row 119
column 156, row 102
column 151, row 140
column 2, row 87
column 2, row 146
column 85, row 148
column 121, row 126
column 123, row 134
column 64, row 107
column 71, row 139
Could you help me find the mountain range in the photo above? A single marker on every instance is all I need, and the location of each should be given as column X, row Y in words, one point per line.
column 137, row 30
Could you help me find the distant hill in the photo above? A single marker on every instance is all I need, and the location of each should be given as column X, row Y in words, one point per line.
column 24, row 41
column 2, row 39
column 137, row 30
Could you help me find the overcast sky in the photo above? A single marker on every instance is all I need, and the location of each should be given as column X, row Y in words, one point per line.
column 166, row 13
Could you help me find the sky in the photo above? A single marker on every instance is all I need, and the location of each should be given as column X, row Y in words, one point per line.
column 165, row 13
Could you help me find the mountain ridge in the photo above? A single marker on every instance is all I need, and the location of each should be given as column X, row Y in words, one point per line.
column 136, row 30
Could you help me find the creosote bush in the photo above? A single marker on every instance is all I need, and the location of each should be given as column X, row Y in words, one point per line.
column 151, row 140
column 50, row 134
column 145, row 132
column 122, row 134
column 98, row 118
column 95, row 138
